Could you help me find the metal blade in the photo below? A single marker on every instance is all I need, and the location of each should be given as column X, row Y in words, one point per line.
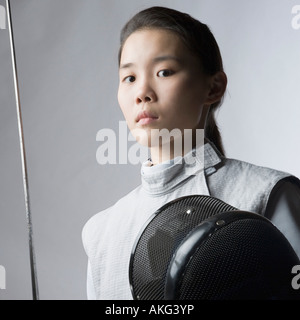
column 35, row 291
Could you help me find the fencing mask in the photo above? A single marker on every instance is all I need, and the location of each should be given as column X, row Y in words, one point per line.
column 198, row 247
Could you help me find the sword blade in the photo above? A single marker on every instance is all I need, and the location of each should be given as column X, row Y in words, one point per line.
column 34, row 282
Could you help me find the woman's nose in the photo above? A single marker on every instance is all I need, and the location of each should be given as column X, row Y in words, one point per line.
column 145, row 93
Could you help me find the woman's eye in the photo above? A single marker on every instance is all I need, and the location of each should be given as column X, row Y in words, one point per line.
column 165, row 73
column 129, row 79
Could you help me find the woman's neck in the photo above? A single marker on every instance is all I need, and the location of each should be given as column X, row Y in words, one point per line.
column 169, row 151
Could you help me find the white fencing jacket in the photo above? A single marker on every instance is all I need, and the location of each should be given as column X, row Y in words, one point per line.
column 108, row 236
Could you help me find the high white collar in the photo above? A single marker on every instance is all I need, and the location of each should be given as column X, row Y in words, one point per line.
column 163, row 177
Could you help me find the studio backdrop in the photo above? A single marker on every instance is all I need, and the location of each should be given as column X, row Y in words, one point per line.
column 66, row 53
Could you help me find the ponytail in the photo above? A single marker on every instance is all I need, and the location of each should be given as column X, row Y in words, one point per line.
column 212, row 132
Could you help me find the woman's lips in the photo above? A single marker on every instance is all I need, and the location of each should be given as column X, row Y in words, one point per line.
column 146, row 121
column 145, row 117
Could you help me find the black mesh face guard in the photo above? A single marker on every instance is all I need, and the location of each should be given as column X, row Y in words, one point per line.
column 198, row 247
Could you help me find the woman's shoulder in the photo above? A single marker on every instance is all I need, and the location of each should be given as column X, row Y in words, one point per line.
column 262, row 175
column 244, row 169
column 245, row 185
column 235, row 169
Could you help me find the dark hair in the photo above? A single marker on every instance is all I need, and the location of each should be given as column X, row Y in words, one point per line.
column 196, row 36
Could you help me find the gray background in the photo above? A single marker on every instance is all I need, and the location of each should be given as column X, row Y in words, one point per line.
column 68, row 77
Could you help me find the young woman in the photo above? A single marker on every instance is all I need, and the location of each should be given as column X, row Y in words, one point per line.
column 171, row 77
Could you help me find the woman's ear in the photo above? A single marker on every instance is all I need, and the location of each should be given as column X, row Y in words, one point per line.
column 217, row 87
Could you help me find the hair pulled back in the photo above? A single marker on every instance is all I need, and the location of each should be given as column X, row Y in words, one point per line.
column 196, row 36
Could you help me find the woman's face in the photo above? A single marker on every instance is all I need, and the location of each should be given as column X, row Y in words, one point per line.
column 161, row 85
